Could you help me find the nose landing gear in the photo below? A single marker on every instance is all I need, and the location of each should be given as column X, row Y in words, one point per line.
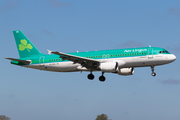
column 152, row 69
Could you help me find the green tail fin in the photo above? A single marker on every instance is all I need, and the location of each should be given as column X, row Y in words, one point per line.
column 24, row 45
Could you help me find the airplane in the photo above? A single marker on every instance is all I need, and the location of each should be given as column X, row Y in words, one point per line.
column 118, row 61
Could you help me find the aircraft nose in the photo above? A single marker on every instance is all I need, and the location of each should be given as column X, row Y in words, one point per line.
column 173, row 57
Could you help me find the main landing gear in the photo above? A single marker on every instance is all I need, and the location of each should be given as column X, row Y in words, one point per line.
column 152, row 69
column 90, row 76
column 101, row 78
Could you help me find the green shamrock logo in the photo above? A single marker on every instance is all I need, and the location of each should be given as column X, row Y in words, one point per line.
column 24, row 45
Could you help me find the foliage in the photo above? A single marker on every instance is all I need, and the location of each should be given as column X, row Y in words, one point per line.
column 102, row 117
column 3, row 117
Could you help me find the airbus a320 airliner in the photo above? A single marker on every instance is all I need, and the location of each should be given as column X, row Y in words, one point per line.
column 119, row 61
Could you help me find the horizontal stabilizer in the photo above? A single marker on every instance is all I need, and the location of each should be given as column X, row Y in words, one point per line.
column 22, row 61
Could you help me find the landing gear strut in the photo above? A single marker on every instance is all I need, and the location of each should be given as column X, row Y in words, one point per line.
column 90, row 76
column 152, row 69
column 102, row 78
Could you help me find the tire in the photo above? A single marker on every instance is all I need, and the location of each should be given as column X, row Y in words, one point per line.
column 90, row 76
column 153, row 74
column 102, row 78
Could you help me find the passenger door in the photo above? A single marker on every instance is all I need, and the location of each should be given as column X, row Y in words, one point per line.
column 150, row 53
column 41, row 61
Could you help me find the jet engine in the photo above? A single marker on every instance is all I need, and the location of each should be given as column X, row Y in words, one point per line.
column 125, row 71
column 108, row 66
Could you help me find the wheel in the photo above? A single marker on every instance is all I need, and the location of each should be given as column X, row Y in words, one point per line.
column 90, row 76
column 102, row 78
column 153, row 74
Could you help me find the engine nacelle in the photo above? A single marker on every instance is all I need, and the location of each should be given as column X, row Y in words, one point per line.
column 108, row 66
column 125, row 71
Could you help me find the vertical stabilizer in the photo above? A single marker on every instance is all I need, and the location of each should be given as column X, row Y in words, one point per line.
column 24, row 45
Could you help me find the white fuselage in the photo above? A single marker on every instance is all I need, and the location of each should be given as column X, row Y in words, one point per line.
column 139, row 61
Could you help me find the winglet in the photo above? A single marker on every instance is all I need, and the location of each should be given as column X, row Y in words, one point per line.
column 49, row 52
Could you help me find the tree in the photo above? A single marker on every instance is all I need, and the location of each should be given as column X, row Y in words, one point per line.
column 3, row 117
column 102, row 117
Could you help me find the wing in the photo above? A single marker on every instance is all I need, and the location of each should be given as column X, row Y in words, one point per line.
column 85, row 62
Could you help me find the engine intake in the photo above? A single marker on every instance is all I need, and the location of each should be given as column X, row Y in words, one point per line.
column 125, row 71
column 108, row 66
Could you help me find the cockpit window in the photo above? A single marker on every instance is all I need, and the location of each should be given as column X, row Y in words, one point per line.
column 163, row 51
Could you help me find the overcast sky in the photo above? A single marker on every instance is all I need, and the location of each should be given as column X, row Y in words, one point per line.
column 71, row 25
